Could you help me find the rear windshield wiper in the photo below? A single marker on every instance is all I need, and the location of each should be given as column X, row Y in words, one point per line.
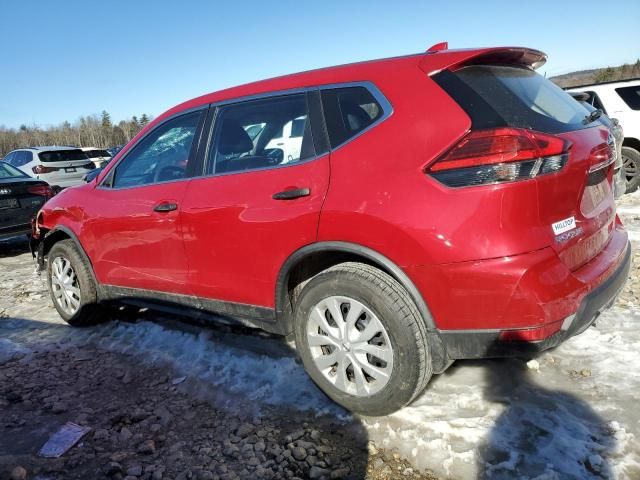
column 592, row 117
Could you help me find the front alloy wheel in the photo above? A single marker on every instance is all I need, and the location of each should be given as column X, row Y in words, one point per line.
column 64, row 286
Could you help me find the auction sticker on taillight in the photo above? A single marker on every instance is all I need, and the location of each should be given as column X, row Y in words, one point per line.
column 564, row 225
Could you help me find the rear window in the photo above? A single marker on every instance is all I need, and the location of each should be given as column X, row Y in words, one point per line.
column 97, row 153
column 7, row 171
column 62, row 155
column 498, row 96
column 631, row 96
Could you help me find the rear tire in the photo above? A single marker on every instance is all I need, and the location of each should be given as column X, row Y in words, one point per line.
column 631, row 167
column 369, row 385
column 71, row 285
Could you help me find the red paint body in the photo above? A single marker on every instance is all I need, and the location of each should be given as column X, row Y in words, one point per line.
column 481, row 257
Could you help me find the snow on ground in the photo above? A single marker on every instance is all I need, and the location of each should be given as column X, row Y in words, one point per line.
column 571, row 413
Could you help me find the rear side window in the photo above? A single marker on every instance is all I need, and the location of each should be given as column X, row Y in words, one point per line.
column 62, row 155
column 498, row 96
column 261, row 134
column 21, row 158
column 348, row 111
column 631, row 96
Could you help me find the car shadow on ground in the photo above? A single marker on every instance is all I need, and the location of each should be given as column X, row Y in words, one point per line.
column 144, row 414
column 14, row 246
column 541, row 431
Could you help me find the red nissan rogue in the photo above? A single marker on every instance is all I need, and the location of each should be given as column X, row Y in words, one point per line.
column 392, row 215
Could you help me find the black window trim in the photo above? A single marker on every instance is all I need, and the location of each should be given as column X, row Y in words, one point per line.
column 191, row 171
column 207, row 125
column 385, row 105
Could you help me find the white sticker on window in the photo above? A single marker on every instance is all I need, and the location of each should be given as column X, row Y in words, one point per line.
column 564, row 225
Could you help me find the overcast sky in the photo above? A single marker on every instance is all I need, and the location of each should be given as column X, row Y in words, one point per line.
column 60, row 60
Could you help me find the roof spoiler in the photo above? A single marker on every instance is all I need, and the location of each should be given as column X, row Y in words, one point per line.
column 436, row 60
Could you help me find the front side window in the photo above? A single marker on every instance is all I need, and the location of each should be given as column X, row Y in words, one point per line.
column 348, row 111
column 161, row 156
column 631, row 96
column 10, row 158
column 261, row 133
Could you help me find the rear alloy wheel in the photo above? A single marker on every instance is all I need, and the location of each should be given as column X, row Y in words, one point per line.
column 631, row 168
column 350, row 346
column 362, row 339
column 71, row 285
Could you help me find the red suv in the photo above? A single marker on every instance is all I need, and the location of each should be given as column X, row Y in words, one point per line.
column 392, row 215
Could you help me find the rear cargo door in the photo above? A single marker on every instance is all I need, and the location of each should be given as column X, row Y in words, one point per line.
column 576, row 208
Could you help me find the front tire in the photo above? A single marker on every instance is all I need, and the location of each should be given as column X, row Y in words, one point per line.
column 71, row 285
column 631, row 167
column 362, row 339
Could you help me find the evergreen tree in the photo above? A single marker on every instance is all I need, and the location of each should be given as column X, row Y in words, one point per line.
column 144, row 120
column 106, row 119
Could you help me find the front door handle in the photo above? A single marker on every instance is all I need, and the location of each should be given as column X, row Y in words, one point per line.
column 291, row 194
column 165, row 207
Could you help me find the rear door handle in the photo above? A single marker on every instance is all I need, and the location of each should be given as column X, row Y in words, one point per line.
column 165, row 207
column 291, row 194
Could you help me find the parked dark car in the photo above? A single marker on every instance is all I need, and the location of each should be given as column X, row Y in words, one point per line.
column 393, row 216
column 21, row 196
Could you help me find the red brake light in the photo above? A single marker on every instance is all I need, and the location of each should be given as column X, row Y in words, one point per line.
column 602, row 156
column 500, row 155
column 38, row 169
column 43, row 190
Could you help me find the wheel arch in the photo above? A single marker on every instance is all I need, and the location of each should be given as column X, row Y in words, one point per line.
column 311, row 259
column 62, row 232
column 631, row 142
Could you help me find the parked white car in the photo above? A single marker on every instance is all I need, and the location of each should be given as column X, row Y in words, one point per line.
column 99, row 156
column 58, row 166
column 621, row 100
column 288, row 139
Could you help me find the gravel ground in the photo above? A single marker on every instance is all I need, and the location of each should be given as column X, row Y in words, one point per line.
column 167, row 400
column 149, row 420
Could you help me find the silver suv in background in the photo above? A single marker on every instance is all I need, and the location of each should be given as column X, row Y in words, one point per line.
column 99, row 156
column 59, row 166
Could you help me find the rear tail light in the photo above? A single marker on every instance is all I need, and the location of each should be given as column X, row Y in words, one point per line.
column 602, row 156
column 43, row 190
column 39, row 169
column 500, row 155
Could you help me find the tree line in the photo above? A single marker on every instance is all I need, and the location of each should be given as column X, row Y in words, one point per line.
column 599, row 75
column 88, row 131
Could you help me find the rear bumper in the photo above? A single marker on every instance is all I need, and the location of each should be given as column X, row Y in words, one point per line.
column 468, row 344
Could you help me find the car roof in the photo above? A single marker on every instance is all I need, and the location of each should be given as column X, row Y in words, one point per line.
column 48, row 148
column 614, row 83
column 379, row 71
